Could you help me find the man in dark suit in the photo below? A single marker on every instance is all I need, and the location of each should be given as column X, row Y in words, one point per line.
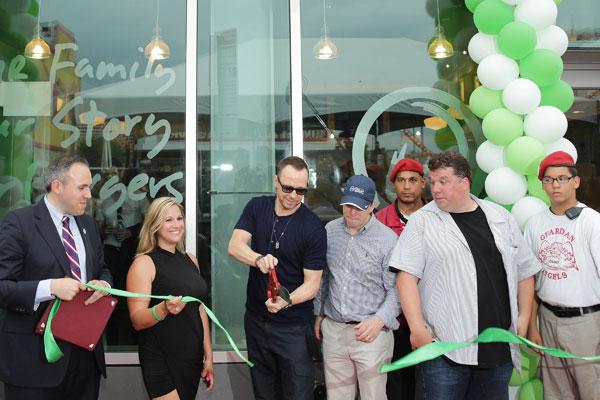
column 47, row 250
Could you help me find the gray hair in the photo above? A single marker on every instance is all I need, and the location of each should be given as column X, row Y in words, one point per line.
column 57, row 171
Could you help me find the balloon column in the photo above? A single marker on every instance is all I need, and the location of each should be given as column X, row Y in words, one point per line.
column 521, row 99
column 530, row 384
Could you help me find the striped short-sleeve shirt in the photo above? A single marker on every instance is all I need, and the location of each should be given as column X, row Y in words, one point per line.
column 433, row 249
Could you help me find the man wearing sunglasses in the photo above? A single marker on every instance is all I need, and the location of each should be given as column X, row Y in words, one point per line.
column 280, row 233
column 566, row 240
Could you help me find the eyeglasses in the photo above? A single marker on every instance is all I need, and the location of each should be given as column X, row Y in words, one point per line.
column 548, row 180
column 290, row 189
column 412, row 180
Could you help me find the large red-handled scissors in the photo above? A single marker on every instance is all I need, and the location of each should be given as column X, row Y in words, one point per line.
column 273, row 285
column 274, row 289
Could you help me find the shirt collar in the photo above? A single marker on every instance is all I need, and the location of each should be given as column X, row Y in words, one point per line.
column 367, row 226
column 491, row 213
column 55, row 213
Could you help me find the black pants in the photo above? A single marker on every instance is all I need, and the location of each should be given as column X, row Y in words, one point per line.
column 401, row 383
column 283, row 367
column 81, row 382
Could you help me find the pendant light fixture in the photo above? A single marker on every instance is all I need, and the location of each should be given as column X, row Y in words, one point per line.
column 439, row 47
column 37, row 48
column 157, row 49
column 325, row 49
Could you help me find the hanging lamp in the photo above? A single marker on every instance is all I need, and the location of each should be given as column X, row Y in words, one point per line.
column 37, row 48
column 439, row 47
column 157, row 48
column 325, row 49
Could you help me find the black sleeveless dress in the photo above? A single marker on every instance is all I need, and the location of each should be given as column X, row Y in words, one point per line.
column 172, row 352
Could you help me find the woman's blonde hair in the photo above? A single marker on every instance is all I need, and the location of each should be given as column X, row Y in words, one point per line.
column 155, row 216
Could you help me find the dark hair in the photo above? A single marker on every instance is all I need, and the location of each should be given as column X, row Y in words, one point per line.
column 295, row 162
column 451, row 159
column 571, row 168
column 573, row 171
column 57, row 171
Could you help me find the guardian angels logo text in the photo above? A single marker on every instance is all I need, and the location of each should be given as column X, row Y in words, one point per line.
column 556, row 253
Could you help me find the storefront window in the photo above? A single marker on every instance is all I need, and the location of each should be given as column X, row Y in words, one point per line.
column 581, row 20
column 383, row 97
column 244, row 130
column 98, row 96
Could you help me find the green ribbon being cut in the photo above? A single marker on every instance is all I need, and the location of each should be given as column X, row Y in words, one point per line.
column 53, row 352
column 490, row 335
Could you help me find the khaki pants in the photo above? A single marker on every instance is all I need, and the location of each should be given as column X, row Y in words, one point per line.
column 568, row 379
column 348, row 360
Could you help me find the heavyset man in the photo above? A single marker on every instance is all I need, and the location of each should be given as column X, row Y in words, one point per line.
column 408, row 181
column 357, row 304
column 286, row 236
column 48, row 250
column 566, row 240
column 464, row 267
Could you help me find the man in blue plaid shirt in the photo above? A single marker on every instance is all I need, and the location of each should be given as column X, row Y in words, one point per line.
column 357, row 304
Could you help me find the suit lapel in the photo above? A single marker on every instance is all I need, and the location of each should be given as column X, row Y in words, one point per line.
column 83, row 230
column 47, row 230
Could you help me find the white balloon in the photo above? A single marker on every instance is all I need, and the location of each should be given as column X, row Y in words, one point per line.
column 525, row 208
column 538, row 13
column 521, row 96
column 513, row 2
column 546, row 123
column 490, row 156
column 496, row 71
column 481, row 46
column 553, row 38
column 505, row 186
column 562, row 144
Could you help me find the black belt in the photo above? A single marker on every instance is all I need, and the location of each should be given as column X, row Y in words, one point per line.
column 569, row 312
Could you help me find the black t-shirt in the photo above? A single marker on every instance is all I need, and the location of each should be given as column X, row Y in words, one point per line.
column 492, row 287
column 302, row 245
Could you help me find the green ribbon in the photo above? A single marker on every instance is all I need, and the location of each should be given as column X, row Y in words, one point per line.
column 490, row 335
column 53, row 352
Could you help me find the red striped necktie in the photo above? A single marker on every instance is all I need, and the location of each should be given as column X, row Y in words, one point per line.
column 70, row 249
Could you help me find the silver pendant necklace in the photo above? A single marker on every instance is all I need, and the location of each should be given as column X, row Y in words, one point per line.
column 274, row 239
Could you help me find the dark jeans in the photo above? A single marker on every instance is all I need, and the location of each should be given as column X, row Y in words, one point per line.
column 283, row 367
column 401, row 383
column 444, row 380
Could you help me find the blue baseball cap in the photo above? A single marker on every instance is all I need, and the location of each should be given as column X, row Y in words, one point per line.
column 359, row 192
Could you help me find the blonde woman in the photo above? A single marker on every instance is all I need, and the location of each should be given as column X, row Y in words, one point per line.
column 174, row 342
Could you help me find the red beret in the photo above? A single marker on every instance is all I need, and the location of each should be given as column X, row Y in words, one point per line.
column 406, row 164
column 556, row 159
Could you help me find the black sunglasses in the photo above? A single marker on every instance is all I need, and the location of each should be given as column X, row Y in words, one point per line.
column 290, row 189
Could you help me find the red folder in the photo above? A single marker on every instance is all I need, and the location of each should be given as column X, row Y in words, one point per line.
column 77, row 323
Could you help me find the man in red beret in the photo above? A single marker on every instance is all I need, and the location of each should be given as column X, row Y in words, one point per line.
column 565, row 238
column 407, row 177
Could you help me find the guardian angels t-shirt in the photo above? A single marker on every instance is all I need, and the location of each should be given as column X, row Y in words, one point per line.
column 569, row 254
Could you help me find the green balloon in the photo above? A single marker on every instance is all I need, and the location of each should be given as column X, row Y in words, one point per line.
column 535, row 189
column 517, row 40
column 557, row 2
column 559, row 95
column 532, row 390
column 484, row 100
column 444, row 138
column 501, row 126
column 491, row 16
column 472, row 4
column 542, row 66
column 524, row 155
